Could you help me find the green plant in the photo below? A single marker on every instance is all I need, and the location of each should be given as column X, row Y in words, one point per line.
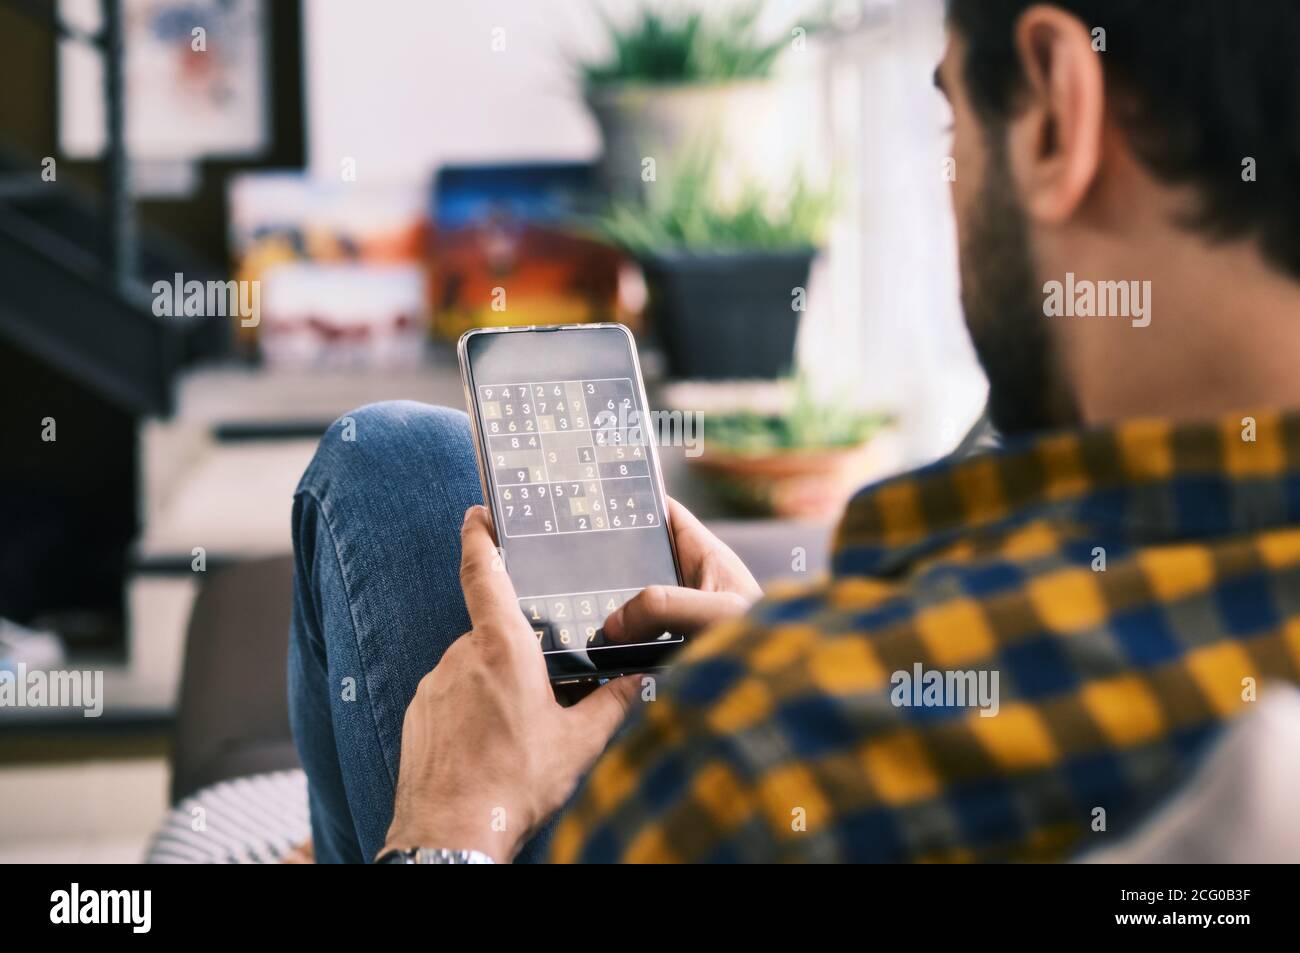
column 685, row 46
column 684, row 213
column 809, row 424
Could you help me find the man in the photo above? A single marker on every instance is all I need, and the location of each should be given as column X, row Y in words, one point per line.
column 1012, row 646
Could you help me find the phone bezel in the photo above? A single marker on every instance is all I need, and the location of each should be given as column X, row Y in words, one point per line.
column 634, row 659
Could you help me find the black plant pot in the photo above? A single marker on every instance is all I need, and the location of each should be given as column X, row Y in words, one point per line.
column 724, row 316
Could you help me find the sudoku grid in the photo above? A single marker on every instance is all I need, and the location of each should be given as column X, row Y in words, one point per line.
column 554, row 472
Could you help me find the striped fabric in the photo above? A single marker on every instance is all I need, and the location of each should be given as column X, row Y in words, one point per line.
column 255, row 820
column 1133, row 589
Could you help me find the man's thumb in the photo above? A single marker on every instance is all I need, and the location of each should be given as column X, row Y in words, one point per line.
column 602, row 712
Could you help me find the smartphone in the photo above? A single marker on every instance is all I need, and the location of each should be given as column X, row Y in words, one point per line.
column 570, row 471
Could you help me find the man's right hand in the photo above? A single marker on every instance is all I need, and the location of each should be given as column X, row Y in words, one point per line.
column 720, row 588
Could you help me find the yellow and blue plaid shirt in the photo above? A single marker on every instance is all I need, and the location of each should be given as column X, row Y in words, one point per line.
column 1133, row 588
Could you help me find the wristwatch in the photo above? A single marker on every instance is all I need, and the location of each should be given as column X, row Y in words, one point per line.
column 433, row 855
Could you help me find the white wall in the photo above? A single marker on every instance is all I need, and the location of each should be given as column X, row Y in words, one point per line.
column 405, row 85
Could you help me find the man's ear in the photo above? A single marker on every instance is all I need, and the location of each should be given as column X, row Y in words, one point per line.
column 1055, row 138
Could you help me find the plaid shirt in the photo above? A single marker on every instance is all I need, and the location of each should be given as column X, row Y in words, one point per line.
column 1133, row 588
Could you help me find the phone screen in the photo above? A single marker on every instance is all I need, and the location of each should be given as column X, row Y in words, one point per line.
column 572, row 477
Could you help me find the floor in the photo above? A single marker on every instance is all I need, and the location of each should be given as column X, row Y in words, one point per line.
column 99, row 811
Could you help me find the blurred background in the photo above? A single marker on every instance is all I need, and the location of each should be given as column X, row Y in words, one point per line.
column 224, row 223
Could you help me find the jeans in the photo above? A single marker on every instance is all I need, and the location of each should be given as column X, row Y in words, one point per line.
column 377, row 600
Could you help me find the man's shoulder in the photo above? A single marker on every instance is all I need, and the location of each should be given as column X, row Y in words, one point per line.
column 998, row 640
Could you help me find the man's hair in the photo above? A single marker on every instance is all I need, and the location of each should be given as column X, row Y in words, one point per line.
column 1199, row 86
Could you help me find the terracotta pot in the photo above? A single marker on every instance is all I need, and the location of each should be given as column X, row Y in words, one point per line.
column 803, row 484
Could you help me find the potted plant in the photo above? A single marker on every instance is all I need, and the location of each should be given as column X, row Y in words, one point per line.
column 726, row 279
column 669, row 79
column 802, row 458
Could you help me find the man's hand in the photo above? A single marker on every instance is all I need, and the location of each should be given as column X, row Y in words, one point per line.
column 488, row 754
column 720, row 587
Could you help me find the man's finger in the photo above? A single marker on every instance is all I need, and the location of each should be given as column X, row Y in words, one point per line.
column 600, row 714
column 689, row 532
column 706, row 561
column 659, row 609
column 489, row 593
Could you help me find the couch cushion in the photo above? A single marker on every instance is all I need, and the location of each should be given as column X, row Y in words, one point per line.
column 259, row 819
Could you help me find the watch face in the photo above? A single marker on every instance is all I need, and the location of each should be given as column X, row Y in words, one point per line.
column 443, row 856
column 434, row 855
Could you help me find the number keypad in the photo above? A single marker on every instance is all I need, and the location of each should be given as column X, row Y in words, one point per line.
column 572, row 621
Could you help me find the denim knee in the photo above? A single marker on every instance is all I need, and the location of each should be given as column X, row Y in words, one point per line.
column 372, row 446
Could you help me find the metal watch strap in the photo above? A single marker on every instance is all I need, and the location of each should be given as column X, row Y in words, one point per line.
column 434, row 855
